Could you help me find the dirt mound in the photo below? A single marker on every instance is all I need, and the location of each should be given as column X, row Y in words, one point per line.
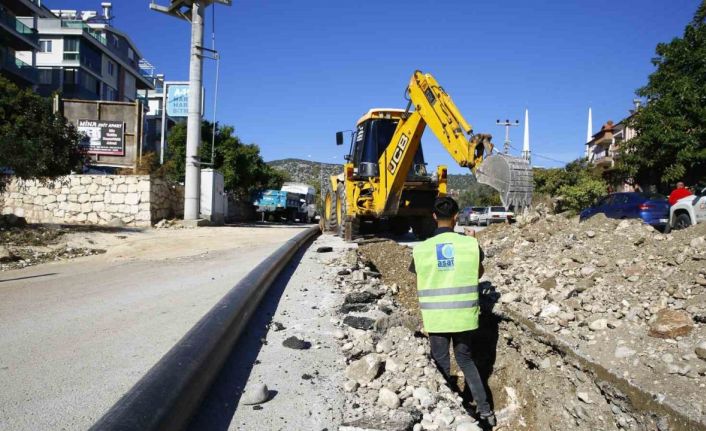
column 604, row 286
column 32, row 244
column 393, row 260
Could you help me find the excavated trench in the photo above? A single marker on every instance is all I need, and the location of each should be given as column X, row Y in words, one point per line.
column 535, row 381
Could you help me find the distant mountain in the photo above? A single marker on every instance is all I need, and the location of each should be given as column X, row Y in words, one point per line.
column 460, row 182
column 306, row 171
column 309, row 172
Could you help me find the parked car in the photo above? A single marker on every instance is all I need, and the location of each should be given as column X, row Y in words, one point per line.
column 688, row 211
column 475, row 213
column 653, row 209
column 495, row 215
column 464, row 216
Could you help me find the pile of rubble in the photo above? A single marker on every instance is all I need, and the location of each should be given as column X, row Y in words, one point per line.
column 23, row 245
column 593, row 325
column 618, row 292
column 391, row 381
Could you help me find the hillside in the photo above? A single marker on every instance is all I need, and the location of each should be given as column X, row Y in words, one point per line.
column 307, row 171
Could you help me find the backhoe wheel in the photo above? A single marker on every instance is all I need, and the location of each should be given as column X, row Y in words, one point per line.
column 399, row 226
column 424, row 227
column 349, row 225
column 340, row 209
column 329, row 216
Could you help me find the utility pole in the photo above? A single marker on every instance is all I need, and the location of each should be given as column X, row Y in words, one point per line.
column 507, row 124
column 194, row 11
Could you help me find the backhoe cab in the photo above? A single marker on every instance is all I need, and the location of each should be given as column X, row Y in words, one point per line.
column 385, row 184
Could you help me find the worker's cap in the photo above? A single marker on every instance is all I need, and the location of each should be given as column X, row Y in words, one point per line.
column 445, row 207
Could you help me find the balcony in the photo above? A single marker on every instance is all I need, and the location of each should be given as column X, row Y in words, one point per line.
column 77, row 91
column 22, row 37
column 17, row 70
column 100, row 37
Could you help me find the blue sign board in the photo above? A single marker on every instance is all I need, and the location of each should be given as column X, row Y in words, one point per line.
column 178, row 100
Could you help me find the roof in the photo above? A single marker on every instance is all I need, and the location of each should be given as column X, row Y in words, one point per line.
column 381, row 113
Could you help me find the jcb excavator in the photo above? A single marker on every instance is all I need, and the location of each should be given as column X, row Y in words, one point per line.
column 385, row 183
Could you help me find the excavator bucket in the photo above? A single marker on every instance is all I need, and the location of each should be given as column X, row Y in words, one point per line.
column 510, row 176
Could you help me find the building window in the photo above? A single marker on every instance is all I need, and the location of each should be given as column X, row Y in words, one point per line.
column 71, row 44
column 70, row 76
column 111, row 68
column 45, row 76
column 45, row 46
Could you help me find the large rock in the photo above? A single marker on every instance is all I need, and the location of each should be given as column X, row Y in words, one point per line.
column 255, row 394
column 359, row 322
column 11, row 220
column 360, row 298
column 548, row 284
column 701, row 350
column 388, row 398
column 5, row 254
column 671, row 324
column 365, row 369
column 424, row 396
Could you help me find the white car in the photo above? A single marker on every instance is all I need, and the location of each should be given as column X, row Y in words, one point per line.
column 495, row 215
column 688, row 211
column 475, row 215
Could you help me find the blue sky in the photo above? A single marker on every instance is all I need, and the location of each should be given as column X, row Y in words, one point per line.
column 295, row 72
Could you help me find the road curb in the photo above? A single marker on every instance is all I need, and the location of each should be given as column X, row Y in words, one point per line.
column 166, row 397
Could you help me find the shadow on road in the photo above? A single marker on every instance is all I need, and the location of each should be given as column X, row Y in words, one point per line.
column 49, row 274
column 221, row 401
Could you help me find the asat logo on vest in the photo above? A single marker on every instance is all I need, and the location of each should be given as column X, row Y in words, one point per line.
column 445, row 256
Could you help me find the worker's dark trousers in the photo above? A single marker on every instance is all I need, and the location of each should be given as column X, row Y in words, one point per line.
column 462, row 351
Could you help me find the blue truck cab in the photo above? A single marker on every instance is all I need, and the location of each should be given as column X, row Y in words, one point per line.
column 276, row 203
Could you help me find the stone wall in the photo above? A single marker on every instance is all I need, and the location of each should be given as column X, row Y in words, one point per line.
column 130, row 200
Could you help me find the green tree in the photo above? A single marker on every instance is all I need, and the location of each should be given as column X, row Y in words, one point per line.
column 577, row 185
column 477, row 194
column 241, row 164
column 35, row 142
column 671, row 129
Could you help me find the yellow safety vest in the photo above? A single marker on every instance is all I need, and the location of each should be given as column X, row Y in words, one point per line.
column 447, row 282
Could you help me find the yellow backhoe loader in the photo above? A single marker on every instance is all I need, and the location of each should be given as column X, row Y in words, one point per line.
column 385, row 184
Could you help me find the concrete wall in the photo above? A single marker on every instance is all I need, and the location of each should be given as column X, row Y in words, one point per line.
column 132, row 200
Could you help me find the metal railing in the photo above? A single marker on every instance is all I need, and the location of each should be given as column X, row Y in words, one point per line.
column 19, row 67
column 19, row 26
column 69, row 23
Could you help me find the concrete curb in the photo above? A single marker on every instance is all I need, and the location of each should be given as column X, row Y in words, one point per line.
column 166, row 397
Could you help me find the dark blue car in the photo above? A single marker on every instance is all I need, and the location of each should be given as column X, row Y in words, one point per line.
column 651, row 208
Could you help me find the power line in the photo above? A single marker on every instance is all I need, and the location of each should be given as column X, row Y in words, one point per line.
column 541, row 156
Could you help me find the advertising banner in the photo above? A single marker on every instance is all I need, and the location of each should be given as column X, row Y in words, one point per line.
column 103, row 137
column 178, row 100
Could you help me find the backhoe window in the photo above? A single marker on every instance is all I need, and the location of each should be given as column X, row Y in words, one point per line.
column 376, row 136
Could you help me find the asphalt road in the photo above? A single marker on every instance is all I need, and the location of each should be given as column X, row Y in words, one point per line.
column 75, row 336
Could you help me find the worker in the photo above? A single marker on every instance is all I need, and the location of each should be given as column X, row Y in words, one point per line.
column 680, row 192
column 448, row 266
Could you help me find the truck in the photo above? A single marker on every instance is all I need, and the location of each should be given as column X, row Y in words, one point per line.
column 277, row 204
column 385, row 184
column 307, row 200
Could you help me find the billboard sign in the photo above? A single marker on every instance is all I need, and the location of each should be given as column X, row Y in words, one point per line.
column 103, row 137
column 178, row 100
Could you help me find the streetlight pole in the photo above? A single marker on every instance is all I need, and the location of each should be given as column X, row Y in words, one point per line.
column 507, row 124
column 192, row 10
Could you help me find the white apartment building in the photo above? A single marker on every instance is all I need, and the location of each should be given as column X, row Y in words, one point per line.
column 82, row 56
column 18, row 34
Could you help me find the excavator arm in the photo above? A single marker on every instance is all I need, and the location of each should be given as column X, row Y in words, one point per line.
column 434, row 108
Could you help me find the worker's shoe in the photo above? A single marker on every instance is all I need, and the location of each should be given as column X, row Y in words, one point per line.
column 488, row 418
